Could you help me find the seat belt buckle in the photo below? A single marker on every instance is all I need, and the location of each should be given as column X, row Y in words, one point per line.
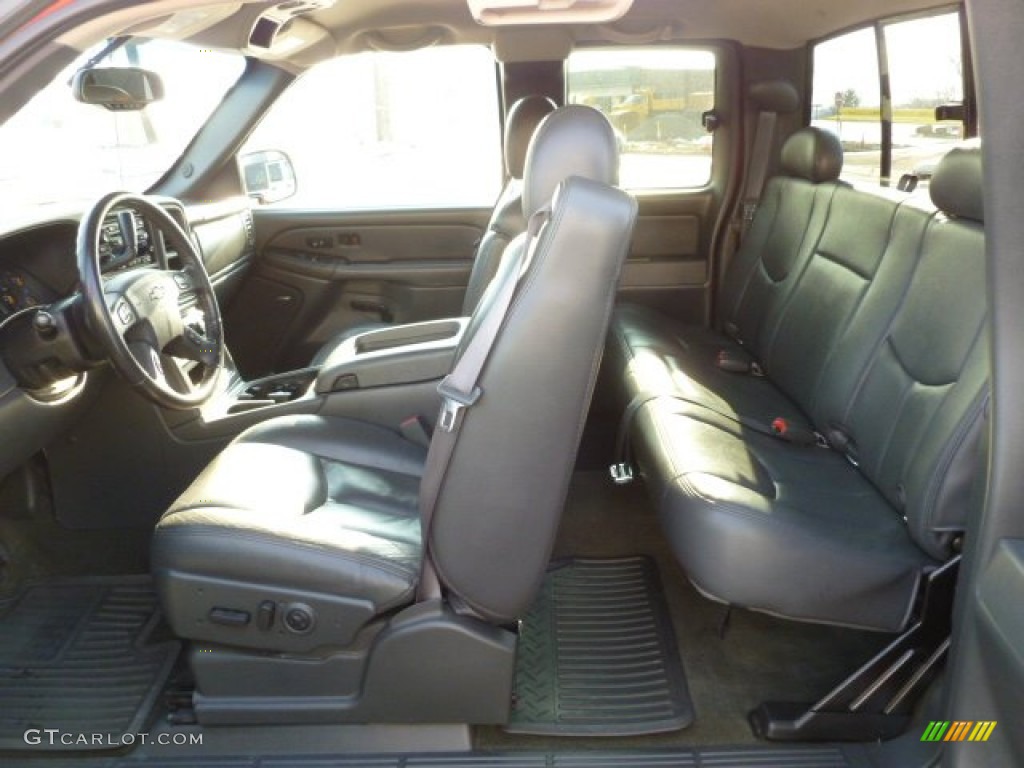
column 415, row 431
column 452, row 403
column 749, row 211
column 800, row 435
column 733, row 363
column 621, row 473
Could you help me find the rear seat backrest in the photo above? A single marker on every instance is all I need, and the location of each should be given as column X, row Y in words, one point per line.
column 916, row 411
column 789, row 221
column 830, row 295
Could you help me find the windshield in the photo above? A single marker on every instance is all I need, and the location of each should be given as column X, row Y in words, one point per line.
column 59, row 152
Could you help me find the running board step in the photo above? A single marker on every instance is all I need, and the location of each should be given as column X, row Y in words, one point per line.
column 875, row 702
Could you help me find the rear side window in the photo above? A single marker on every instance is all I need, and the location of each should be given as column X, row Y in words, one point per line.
column 888, row 125
column 846, row 100
column 391, row 130
column 926, row 71
column 654, row 100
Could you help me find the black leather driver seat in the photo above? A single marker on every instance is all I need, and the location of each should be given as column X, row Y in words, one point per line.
column 506, row 220
column 304, row 535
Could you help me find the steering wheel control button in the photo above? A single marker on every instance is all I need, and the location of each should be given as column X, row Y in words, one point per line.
column 182, row 280
column 265, row 615
column 125, row 313
column 229, row 617
column 299, row 618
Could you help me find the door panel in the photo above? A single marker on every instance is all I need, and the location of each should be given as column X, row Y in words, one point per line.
column 668, row 267
column 320, row 273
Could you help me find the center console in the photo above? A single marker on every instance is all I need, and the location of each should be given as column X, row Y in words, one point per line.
column 402, row 354
column 383, row 376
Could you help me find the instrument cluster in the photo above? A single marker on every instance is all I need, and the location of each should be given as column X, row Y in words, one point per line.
column 125, row 242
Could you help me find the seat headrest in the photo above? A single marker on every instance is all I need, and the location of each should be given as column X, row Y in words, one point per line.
column 812, row 154
column 775, row 96
column 574, row 140
column 523, row 119
column 956, row 187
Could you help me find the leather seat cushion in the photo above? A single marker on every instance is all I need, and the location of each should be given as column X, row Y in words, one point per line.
column 785, row 529
column 658, row 356
column 303, row 504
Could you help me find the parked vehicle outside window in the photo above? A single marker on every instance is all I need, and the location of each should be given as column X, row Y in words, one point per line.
column 654, row 99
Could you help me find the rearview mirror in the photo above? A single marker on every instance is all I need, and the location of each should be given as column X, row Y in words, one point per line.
column 268, row 175
column 120, row 89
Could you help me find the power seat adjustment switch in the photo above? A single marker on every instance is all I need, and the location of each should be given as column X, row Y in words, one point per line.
column 229, row 617
column 299, row 618
column 265, row 615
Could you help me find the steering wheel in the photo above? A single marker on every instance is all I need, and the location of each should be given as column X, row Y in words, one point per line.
column 164, row 342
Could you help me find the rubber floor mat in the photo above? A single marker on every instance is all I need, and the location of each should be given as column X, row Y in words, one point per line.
column 74, row 657
column 597, row 654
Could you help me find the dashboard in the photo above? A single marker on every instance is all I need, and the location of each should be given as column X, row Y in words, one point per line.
column 37, row 265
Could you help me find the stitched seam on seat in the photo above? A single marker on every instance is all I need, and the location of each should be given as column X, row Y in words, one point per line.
column 886, row 336
column 949, row 392
column 758, row 264
column 969, row 416
column 329, row 460
column 805, row 230
column 949, row 453
column 887, row 442
column 222, row 532
column 783, row 309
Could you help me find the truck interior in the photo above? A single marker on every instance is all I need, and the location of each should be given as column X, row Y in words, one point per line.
column 511, row 383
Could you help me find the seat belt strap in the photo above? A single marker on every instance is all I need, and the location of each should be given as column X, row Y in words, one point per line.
column 758, row 169
column 459, row 391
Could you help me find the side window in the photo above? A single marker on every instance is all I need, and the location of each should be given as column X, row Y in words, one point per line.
column 654, row 100
column 845, row 99
column 391, row 130
column 925, row 71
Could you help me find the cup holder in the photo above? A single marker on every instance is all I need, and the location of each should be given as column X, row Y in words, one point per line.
column 279, row 389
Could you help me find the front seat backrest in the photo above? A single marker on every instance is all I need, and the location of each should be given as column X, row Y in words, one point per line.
column 501, row 500
column 505, row 223
column 507, row 219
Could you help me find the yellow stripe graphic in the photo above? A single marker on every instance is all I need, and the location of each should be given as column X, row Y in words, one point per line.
column 981, row 731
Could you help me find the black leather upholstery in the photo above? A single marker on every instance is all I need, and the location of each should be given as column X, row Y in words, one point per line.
column 588, row 150
column 956, row 184
column 867, row 314
column 496, row 519
column 506, row 220
column 520, row 125
column 323, row 512
column 300, row 504
column 813, row 154
column 775, row 96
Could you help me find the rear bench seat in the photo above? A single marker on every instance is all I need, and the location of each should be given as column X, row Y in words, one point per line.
column 867, row 316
